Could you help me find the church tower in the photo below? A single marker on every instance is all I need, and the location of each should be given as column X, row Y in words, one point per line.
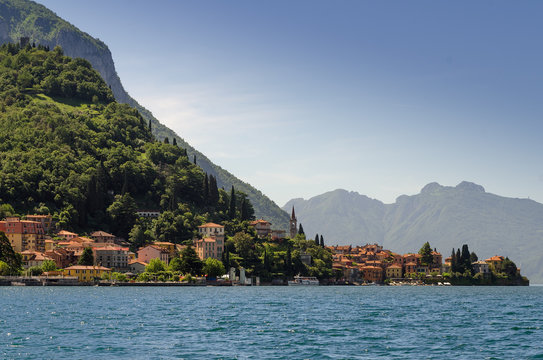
column 293, row 225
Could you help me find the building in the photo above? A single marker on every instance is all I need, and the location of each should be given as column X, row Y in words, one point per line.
column 24, row 234
column 103, row 237
column 481, row 267
column 114, row 257
column 33, row 258
column 293, row 223
column 86, row 273
column 62, row 257
column 46, row 221
column 168, row 246
column 394, row 271
column 136, row 266
column 212, row 230
column 148, row 213
column 495, row 262
column 208, row 247
column 262, row 228
column 278, row 234
column 150, row 252
column 373, row 274
column 67, row 235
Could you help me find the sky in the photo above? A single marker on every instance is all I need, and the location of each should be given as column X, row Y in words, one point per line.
column 302, row 97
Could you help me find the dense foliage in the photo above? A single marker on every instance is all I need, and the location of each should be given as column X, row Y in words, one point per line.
column 67, row 148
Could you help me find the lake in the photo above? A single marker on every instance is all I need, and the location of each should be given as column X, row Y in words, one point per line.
column 271, row 322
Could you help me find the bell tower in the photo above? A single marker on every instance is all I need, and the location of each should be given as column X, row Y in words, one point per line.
column 293, row 225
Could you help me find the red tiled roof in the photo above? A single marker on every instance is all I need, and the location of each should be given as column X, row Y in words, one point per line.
column 210, row 225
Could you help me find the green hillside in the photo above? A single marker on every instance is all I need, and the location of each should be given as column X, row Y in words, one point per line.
column 67, row 148
column 26, row 18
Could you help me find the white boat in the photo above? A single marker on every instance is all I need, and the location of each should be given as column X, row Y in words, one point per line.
column 304, row 280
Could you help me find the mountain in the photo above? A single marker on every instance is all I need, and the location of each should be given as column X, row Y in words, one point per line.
column 68, row 149
column 445, row 216
column 23, row 18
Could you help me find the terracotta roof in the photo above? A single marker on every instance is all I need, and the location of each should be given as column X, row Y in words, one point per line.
column 64, row 232
column 137, row 261
column 411, row 264
column 260, row 221
column 495, row 258
column 102, row 234
column 395, row 266
column 210, row 225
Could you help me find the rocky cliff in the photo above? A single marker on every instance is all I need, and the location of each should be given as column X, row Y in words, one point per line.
column 23, row 18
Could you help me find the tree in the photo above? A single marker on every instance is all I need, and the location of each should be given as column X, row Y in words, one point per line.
column 301, row 230
column 5, row 270
column 155, row 266
column 454, row 265
column 243, row 243
column 317, row 239
column 174, row 142
column 48, row 265
column 473, row 257
column 86, row 258
column 426, row 254
column 232, row 207
column 175, row 264
column 322, row 241
column 123, row 214
column 213, row 268
column 509, row 268
column 166, row 140
column 190, row 262
column 9, row 256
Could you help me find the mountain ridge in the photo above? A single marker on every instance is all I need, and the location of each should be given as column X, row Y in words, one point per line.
column 20, row 18
column 446, row 216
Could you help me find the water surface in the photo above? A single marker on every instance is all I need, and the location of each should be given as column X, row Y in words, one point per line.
column 271, row 323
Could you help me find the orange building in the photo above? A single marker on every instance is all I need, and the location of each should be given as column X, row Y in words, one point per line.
column 208, row 247
column 372, row 274
column 24, row 234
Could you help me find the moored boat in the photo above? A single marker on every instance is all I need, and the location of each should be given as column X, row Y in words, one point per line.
column 304, row 280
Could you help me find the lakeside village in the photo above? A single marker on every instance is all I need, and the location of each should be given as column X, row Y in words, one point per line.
column 47, row 256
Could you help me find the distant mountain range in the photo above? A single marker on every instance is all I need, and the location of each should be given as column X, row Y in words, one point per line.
column 445, row 216
column 26, row 18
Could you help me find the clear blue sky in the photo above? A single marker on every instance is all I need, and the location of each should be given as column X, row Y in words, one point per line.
column 303, row 97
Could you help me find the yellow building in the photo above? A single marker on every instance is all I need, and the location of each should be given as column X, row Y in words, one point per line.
column 86, row 273
column 394, row 271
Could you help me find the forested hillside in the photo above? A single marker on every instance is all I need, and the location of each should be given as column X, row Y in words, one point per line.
column 67, row 148
column 20, row 18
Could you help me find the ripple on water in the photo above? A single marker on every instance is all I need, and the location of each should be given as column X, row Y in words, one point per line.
column 271, row 322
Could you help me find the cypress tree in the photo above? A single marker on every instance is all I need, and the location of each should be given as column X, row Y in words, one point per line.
column 174, row 142
column 453, row 261
column 322, row 241
column 194, row 159
column 244, row 210
column 206, row 189
column 150, row 127
column 232, row 209
column 288, row 262
column 213, row 190
column 86, row 258
column 166, row 140
column 301, row 230
column 459, row 264
column 317, row 239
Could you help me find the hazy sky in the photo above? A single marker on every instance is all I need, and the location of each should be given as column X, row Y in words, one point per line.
column 303, row 97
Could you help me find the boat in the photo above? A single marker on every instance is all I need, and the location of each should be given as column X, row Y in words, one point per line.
column 303, row 280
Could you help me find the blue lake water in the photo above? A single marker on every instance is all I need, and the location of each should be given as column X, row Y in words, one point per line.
column 271, row 323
